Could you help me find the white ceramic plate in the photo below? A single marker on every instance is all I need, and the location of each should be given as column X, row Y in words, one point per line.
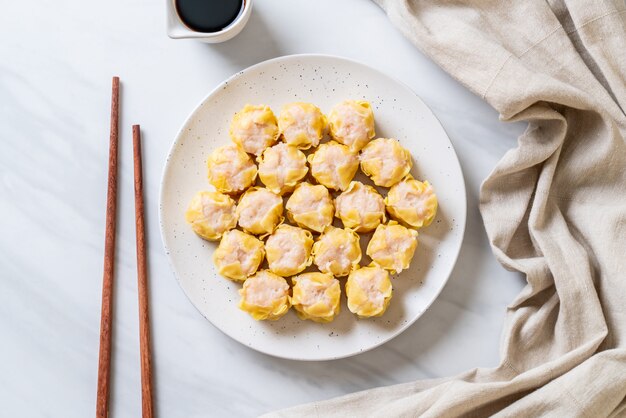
column 324, row 81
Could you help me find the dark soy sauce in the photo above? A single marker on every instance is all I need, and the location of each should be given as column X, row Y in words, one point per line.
column 208, row 15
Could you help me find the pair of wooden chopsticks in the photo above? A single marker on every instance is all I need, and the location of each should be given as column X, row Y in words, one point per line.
column 104, row 360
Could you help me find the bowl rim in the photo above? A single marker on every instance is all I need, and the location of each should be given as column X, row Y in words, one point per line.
column 176, row 28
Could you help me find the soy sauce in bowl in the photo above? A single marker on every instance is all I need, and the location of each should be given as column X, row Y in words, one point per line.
column 208, row 16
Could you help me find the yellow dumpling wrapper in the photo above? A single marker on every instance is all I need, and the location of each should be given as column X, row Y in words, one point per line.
column 259, row 211
column 239, row 255
column 337, row 251
column 334, row 165
column 352, row 123
column 310, row 206
column 265, row 296
column 412, row 202
column 385, row 161
column 289, row 250
column 230, row 169
column 254, row 128
column 360, row 207
column 211, row 214
column 281, row 167
column 316, row 296
column 369, row 291
column 392, row 246
column 302, row 125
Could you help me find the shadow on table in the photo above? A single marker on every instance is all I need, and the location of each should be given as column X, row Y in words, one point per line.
column 253, row 45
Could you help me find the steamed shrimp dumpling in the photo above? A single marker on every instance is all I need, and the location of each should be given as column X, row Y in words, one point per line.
column 259, row 211
column 289, row 250
column 281, row 167
column 369, row 291
column 392, row 246
column 310, row 206
column 337, row 251
column 239, row 255
column 265, row 296
column 412, row 202
column 211, row 214
column 230, row 169
column 301, row 125
column 316, row 296
column 385, row 161
column 352, row 124
column 360, row 207
column 254, row 128
column 333, row 165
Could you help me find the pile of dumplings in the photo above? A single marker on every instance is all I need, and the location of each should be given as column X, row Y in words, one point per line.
column 274, row 217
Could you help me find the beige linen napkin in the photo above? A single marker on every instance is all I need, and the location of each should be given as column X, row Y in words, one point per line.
column 554, row 207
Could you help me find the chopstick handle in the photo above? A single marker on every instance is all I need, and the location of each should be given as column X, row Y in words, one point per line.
column 142, row 281
column 106, row 316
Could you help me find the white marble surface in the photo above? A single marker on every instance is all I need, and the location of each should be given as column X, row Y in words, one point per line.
column 56, row 62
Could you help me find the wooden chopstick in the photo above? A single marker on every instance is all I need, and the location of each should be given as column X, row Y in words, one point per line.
column 106, row 317
column 142, row 282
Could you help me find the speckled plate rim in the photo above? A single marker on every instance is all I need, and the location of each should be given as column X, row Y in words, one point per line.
column 462, row 222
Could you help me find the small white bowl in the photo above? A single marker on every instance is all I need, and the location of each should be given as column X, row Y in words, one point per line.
column 176, row 29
